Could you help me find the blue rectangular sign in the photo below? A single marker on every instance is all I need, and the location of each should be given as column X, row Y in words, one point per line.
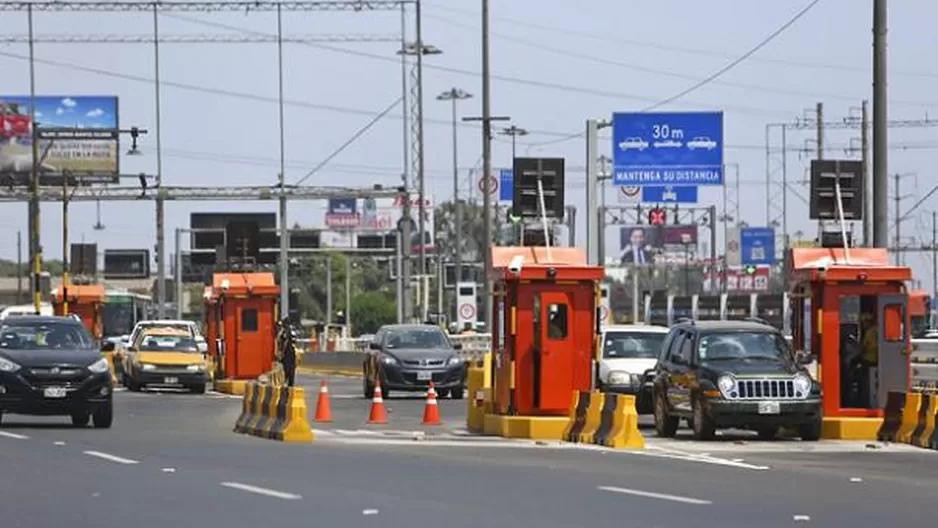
column 669, row 194
column 757, row 245
column 343, row 206
column 506, row 182
column 667, row 148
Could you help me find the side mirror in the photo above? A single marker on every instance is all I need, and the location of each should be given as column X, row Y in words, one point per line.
column 202, row 346
column 374, row 346
column 803, row 357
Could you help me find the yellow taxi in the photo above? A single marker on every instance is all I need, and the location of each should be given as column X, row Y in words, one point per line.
column 165, row 357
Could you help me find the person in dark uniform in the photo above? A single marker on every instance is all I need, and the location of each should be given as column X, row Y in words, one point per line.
column 288, row 350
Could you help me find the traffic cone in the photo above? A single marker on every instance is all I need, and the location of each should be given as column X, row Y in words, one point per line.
column 431, row 412
column 323, row 407
column 378, row 415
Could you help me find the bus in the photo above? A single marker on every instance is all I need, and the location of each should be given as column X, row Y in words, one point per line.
column 122, row 310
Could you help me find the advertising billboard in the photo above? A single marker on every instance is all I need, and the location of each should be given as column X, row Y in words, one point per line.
column 670, row 244
column 78, row 135
column 384, row 214
column 342, row 213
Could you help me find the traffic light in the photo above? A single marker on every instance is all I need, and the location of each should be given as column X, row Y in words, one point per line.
column 657, row 217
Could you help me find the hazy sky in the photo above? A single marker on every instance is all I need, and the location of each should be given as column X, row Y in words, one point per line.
column 554, row 64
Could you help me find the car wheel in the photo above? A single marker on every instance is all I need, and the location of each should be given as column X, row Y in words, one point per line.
column 456, row 394
column 703, row 425
column 80, row 419
column 665, row 425
column 367, row 388
column 104, row 416
column 811, row 432
column 767, row 433
column 133, row 386
column 198, row 389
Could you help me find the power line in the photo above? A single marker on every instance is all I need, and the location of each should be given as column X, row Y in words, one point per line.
column 243, row 6
column 196, row 38
column 601, row 37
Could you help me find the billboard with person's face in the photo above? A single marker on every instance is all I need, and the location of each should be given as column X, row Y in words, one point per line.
column 657, row 244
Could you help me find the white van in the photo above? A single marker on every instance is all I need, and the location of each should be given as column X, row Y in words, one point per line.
column 629, row 355
column 26, row 309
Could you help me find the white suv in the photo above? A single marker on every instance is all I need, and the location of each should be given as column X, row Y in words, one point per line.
column 629, row 355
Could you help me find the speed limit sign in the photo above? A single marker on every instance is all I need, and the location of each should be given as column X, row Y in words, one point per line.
column 467, row 311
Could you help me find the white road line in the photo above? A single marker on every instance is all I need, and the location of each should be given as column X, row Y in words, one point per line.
column 14, row 435
column 650, row 495
column 261, row 491
column 111, row 458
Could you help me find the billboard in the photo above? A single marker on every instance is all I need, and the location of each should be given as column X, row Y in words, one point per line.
column 208, row 229
column 126, row 263
column 384, row 214
column 78, row 135
column 643, row 244
column 342, row 213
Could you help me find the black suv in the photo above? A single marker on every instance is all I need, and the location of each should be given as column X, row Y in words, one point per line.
column 733, row 374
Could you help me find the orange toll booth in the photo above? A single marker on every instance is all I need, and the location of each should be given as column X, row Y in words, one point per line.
column 241, row 315
column 85, row 301
column 857, row 308
column 545, row 331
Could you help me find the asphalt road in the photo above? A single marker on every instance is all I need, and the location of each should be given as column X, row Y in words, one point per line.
column 172, row 460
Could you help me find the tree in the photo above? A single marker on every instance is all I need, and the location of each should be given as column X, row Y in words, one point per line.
column 370, row 310
column 445, row 226
column 368, row 278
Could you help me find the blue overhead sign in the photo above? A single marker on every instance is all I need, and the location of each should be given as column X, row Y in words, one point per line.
column 757, row 245
column 506, row 183
column 667, row 148
column 669, row 194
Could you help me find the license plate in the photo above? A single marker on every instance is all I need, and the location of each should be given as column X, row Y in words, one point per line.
column 170, row 381
column 424, row 376
column 54, row 392
column 770, row 407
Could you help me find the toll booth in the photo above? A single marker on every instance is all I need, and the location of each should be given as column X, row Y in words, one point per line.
column 84, row 300
column 241, row 323
column 546, row 328
column 839, row 300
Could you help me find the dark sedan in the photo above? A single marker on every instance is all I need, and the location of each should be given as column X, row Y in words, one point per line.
column 408, row 357
column 51, row 366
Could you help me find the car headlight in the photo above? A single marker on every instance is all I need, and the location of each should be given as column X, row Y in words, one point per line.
column 727, row 385
column 388, row 360
column 195, row 368
column 455, row 360
column 147, row 366
column 99, row 366
column 8, row 366
column 802, row 385
column 617, row 377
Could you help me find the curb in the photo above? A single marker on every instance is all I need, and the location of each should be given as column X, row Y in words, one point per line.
column 330, row 371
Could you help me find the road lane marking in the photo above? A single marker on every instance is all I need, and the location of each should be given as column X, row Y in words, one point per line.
column 261, row 491
column 112, row 458
column 651, row 495
column 14, row 435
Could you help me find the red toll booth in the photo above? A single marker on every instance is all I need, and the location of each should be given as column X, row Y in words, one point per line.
column 857, row 308
column 241, row 315
column 84, row 300
column 545, row 331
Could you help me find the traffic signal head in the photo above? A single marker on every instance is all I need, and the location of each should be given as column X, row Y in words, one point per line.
column 657, row 216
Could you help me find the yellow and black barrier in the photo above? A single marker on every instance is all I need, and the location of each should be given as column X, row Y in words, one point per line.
column 910, row 418
column 603, row 419
column 275, row 412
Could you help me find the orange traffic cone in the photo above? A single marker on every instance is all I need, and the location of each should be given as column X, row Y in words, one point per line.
column 323, row 408
column 378, row 414
column 431, row 412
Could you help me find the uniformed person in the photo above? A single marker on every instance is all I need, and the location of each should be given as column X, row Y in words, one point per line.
column 288, row 353
column 869, row 359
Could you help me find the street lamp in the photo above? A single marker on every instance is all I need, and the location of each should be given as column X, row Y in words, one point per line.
column 455, row 95
column 514, row 132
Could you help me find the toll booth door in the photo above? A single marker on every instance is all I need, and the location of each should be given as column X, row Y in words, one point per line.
column 554, row 350
column 253, row 344
column 893, row 343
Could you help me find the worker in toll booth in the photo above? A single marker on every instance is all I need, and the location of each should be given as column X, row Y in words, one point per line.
column 851, row 352
column 869, row 342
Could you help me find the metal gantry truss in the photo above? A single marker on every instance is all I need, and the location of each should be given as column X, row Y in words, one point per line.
column 195, row 194
column 99, row 6
column 214, row 38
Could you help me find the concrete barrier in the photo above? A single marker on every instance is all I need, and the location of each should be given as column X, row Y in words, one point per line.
column 274, row 412
column 911, row 419
column 347, row 363
column 609, row 420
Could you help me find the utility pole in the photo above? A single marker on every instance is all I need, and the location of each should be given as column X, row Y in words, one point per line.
column 35, row 249
column 454, row 95
column 934, row 260
column 819, row 116
column 880, row 128
column 65, row 269
column 329, row 289
column 898, row 242
column 284, row 259
column 404, row 233
column 348, row 293
column 160, row 204
column 19, row 267
column 514, row 132
column 864, row 161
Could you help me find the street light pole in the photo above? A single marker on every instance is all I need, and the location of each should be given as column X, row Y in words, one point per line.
column 514, row 132
column 455, row 95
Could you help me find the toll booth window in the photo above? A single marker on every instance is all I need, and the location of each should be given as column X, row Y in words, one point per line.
column 557, row 321
column 249, row 320
column 893, row 327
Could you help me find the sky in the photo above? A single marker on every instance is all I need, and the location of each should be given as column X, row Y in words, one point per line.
column 554, row 63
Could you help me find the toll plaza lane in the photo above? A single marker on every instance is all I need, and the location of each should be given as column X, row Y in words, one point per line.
column 179, row 451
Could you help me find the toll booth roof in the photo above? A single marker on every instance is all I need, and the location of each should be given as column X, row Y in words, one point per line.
column 80, row 292
column 833, row 264
column 256, row 283
column 566, row 263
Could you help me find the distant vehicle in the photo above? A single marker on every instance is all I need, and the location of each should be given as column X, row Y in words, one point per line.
column 630, row 353
column 633, row 143
column 26, row 309
column 702, row 142
column 50, row 366
column 408, row 357
column 734, row 374
column 122, row 311
column 165, row 356
column 142, row 326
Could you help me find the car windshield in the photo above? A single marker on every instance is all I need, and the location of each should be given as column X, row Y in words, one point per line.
column 743, row 346
column 167, row 343
column 417, row 338
column 44, row 336
column 632, row 344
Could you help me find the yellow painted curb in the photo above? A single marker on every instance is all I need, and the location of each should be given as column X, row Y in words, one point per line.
column 528, row 427
column 331, row 371
column 229, row 386
column 850, row 428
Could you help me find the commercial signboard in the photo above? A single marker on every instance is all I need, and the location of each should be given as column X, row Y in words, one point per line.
column 667, row 148
column 644, row 244
column 78, row 136
column 343, row 213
